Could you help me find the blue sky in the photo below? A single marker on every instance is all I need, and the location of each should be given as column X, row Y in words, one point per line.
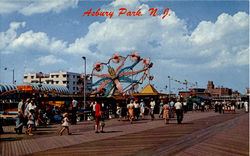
column 198, row 42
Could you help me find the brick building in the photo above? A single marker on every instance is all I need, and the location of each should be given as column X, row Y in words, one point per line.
column 219, row 91
column 209, row 92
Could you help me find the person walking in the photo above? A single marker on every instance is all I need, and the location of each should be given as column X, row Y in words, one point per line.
column 130, row 107
column 165, row 115
column 123, row 111
column 171, row 106
column 74, row 111
column 179, row 111
column 216, row 106
column 102, row 123
column 31, row 120
column 97, row 116
column 246, row 106
column 118, row 111
column 32, row 106
column 185, row 106
column 202, row 106
column 137, row 110
column 161, row 109
column 152, row 107
column 220, row 107
column 142, row 108
column 65, row 124
column 21, row 117
column 93, row 108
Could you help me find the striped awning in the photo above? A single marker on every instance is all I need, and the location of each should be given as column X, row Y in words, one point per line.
column 49, row 87
column 7, row 87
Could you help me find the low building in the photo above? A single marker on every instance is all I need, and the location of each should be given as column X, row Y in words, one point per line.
column 67, row 79
column 219, row 91
column 210, row 92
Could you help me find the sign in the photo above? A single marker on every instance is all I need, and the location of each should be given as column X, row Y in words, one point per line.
column 24, row 88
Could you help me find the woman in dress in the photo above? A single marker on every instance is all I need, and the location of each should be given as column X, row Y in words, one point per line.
column 166, row 113
column 130, row 107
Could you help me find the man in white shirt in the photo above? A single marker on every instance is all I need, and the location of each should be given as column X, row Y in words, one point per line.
column 202, row 106
column 179, row 112
column 137, row 109
column 185, row 106
column 74, row 110
column 93, row 108
column 142, row 108
column 21, row 116
column 152, row 107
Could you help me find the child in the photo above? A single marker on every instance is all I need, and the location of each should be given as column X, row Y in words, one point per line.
column 30, row 122
column 65, row 124
column 102, row 124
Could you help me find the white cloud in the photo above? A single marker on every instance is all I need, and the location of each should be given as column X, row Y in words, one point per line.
column 207, row 31
column 8, row 6
column 126, row 4
column 50, row 59
column 209, row 45
column 35, row 7
column 10, row 35
column 28, row 41
column 225, row 41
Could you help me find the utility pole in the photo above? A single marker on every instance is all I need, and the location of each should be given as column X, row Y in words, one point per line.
column 84, row 95
column 169, row 84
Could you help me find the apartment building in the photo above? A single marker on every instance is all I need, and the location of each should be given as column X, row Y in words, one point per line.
column 67, row 79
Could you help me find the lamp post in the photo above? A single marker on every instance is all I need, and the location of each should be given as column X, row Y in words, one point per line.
column 84, row 87
column 169, row 78
column 186, row 83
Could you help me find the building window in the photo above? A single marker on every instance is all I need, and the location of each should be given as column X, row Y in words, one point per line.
column 52, row 76
column 57, row 76
column 64, row 75
column 74, row 82
column 32, row 77
column 74, row 88
column 74, row 76
column 57, row 82
column 25, row 77
column 78, row 77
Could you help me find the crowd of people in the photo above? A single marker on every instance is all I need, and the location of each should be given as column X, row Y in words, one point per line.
column 31, row 116
column 28, row 116
column 137, row 109
column 230, row 106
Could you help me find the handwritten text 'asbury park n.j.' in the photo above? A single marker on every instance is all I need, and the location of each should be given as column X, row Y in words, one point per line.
column 125, row 12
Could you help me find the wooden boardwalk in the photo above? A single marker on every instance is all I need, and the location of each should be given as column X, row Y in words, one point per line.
column 145, row 137
column 167, row 140
column 233, row 140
